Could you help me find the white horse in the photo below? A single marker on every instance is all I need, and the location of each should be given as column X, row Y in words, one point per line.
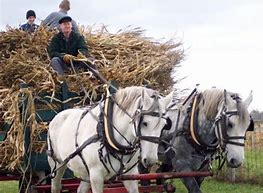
column 138, row 115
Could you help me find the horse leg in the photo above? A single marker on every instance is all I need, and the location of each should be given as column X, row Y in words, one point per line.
column 56, row 181
column 84, row 186
column 199, row 180
column 96, row 180
column 189, row 182
column 132, row 186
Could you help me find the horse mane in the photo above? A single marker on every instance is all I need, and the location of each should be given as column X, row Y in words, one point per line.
column 213, row 97
column 126, row 96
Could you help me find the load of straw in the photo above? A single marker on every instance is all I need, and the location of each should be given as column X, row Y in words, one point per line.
column 127, row 57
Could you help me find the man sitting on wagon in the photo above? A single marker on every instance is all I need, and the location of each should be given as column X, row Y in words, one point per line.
column 66, row 45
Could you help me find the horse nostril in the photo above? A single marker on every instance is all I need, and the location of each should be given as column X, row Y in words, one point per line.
column 234, row 163
column 146, row 162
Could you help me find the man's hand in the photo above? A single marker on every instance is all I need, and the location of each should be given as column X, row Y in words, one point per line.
column 80, row 55
column 67, row 58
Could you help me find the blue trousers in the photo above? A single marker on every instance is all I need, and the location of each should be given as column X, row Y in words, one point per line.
column 60, row 66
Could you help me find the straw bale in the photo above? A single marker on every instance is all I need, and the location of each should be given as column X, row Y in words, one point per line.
column 126, row 56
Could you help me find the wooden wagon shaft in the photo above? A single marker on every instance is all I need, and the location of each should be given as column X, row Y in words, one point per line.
column 167, row 175
column 117, row 186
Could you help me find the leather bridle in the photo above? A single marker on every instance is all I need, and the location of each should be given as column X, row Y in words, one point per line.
column 222, row 126
column 153, row 139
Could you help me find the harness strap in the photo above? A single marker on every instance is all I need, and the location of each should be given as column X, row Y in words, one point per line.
column 92, row 139
column 234, row 143
column 83, row 161
column 192, row 93
column 110, row 139
column 237, row 137
column 192, row 122
column 151, row 139
column 103, row 161
column 106, row 122
column 76, row 139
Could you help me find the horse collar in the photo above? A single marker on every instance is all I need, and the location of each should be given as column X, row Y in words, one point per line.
column 108, row 128
column 191, row 125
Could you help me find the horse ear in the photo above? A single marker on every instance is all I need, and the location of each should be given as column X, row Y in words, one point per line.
column 149, row 97
column 169, row 100
column 248, row 99
column 227, row 97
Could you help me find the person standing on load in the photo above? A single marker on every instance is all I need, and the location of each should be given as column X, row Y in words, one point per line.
column 52, row 20
column 66, row 45
column 30, row 26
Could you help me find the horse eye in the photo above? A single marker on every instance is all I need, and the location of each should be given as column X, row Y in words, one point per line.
column 230, row 125
column 145, row 124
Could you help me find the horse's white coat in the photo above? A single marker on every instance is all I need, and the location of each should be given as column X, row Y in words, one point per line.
column 62, row 131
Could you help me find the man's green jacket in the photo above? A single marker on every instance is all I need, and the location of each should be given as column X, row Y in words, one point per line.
column 59, row 46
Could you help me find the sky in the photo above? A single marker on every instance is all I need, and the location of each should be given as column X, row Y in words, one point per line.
column 222, row 39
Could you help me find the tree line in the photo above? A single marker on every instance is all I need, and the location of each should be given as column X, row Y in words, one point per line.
column 257, row 115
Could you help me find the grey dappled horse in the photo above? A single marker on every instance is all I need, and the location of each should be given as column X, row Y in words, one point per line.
column 206, row 123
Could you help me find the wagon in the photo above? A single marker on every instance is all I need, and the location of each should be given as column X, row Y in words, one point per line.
column 37, row 162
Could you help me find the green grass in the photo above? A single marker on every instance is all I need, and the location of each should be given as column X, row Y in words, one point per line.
column 209, row 186
column 254, row 162
column 9, row 187
column 250, row 171
column 212, row 186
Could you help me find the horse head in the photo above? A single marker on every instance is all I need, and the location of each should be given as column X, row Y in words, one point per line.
column 149, row 120
column 153, row 122
column 222, row 122
column 233, row 119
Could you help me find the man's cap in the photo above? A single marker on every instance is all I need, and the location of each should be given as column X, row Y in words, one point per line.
column 30, row 13
column 65, row 19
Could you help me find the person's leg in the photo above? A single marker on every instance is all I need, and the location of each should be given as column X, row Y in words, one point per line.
column 82, row 65
column 58, row 65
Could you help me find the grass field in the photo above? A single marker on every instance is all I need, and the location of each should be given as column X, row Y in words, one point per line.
column 209, row 186
column 212, row 186
column 251, row 170
column 9, row 187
